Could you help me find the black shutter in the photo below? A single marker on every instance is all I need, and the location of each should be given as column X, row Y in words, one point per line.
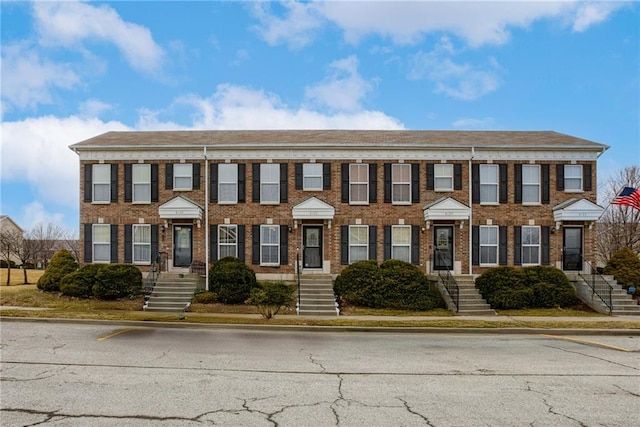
column 88, row 183
column 213, row 243
column 457, row 176
column 196, row 176
column 114, row 243
column 242, row 183
column 475, row 183
column 503, row 190
column 586, row 177
column 560, row 177
column 326, row 176
column 518, row 181
column 345, row 183
column 387, row 182
column 255, row 180
column 502, row 259
column 545, row 244
column 373, row 183
column 415, row 182
column 284, row 182
column 255, row 245
column 344, row 245
column 298, row 174
column 386, row 244
column 284, row 244
column 544, row 171
column 241, row 240
column 475, row 245
column 154, row 242
column 88, row 242
column 430, row 176
column 114, row 183
column 128, row 243
column 154, row 183
column 168, row 176
column 373, row 242
column 128, row 182
column 213, row 183
column 517, row 239
column 415, row 244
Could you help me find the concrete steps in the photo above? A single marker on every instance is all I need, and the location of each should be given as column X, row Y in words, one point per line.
column 622, row 303
column 172, row 293
column 470, row 302
column 316, row 295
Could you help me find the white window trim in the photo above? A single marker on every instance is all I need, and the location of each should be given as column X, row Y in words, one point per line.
column 436, row 176
column 221, row 182
column 263, row 244
column 352, row 182
column 366, row 244
column 497, row 184
column 134, row 244
column 538, row 184
column 523, row 245
column 134, row 183
column 407, row 183
column 496, row 245
column 310, row 175
column 263, row 182
column 580, row 177
column 94, row 182
column 235, row 245
column 403, row 245
column 94, row 243
column 176, row 176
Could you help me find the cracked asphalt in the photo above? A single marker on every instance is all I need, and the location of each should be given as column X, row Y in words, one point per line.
column 101, row 375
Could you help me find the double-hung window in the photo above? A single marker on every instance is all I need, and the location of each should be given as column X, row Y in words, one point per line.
column 530, row 184
column 443, row 177
column 401, row 242
column 101, row 234
column 228, row 183
column 488, row 245
column 101, row 178
column 269, row 183
column 312, row 176
column 183, row 176
column 530, row 245
column 141, row 183
column 227, row 241
column 488, row 183
column 269, row 245
column 141, row 243
column 572, row 177
column 359, row 183
column 401, row 183
column 358, row 243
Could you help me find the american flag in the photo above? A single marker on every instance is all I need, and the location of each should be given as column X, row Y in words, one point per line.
column 629, row 196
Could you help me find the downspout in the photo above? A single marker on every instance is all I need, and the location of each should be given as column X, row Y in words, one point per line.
column 206, row 219
column 473, row 153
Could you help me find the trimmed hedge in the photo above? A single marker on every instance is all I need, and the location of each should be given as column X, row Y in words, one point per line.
column 624, row 265
column 205, row 297
column 80, row 283
column 61, row 264
column 232, row 280
column 114, row 281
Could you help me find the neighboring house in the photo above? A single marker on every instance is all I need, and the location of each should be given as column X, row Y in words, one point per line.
column 462, row 201
column 10, row 227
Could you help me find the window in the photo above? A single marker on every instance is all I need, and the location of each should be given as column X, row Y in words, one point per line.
column 488, row 245
column 401, row 183
column 359, row 183
column 270, row 183
column 572, row 177
column 443, row 177
column 183, row 176
column 101, row 242
column 227, row 240
column 401, row 242
column 488, row 183
column 141, row 244
column 358, row 243
column 530, row 184
column 530, row 245
column 141, row 183
column 101, row 183
column 312, row 176
column 269, row 245
column 228, row 183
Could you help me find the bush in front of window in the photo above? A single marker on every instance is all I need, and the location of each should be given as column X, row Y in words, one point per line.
column 232, row 280
column 270, row 297
column 115, row 281
column 60, row 265
column 80, row 282
column 359, row 284
column 624, row 266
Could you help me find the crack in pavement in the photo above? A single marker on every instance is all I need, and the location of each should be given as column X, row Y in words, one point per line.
column 50, row 415
column 340, row 398
column 315, row 362
column 550, row 409
column 592, row 357
column 626, row 391
column 414, row 412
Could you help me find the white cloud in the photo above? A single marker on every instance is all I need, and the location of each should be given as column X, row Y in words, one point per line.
column 297, row 27
column 70, row 23
column 93, row 108
column 35, row 213
column 473, row 123
column 591, row 13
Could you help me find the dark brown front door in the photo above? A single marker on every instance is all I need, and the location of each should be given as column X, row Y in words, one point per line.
column 312, row 246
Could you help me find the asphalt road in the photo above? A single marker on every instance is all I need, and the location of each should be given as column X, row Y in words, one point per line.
column 101, row 375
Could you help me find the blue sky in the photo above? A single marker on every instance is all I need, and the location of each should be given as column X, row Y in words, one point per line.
column 73, row 70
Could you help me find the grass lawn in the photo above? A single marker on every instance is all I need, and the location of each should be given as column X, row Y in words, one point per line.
column 17, row 276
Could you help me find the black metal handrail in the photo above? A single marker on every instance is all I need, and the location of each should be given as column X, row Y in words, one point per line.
column 298, row 277
column 152, row 277
column 598, row 284
column 198, row 267
column 448, row 280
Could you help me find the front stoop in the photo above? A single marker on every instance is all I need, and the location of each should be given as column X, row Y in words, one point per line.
column 471, row 302
column 172, row 293
column 622, row 302
column 316, row 296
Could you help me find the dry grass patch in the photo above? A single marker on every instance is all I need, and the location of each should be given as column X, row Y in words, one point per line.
column 29, row 296
column 364, row 311
column 17, row 276
column 578, row 311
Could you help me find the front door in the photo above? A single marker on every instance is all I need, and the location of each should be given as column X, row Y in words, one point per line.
column 312, row 246
column 182, row 245
column 443, row 252
column 572, row 249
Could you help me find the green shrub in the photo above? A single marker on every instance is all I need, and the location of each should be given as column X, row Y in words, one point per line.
column 359, row 284
column 60, row 265
column 232, row 280
column 624, row 265
column 270, row 297
column 205, row 297
column 80, row 283
column 115, row 281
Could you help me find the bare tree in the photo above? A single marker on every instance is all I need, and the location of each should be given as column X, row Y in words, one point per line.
column 71, row 242
column 619, row 226
column 25, row 252
column 10, row 241
column 45, row 238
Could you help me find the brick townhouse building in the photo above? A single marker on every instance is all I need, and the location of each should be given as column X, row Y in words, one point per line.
column 456, row 200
